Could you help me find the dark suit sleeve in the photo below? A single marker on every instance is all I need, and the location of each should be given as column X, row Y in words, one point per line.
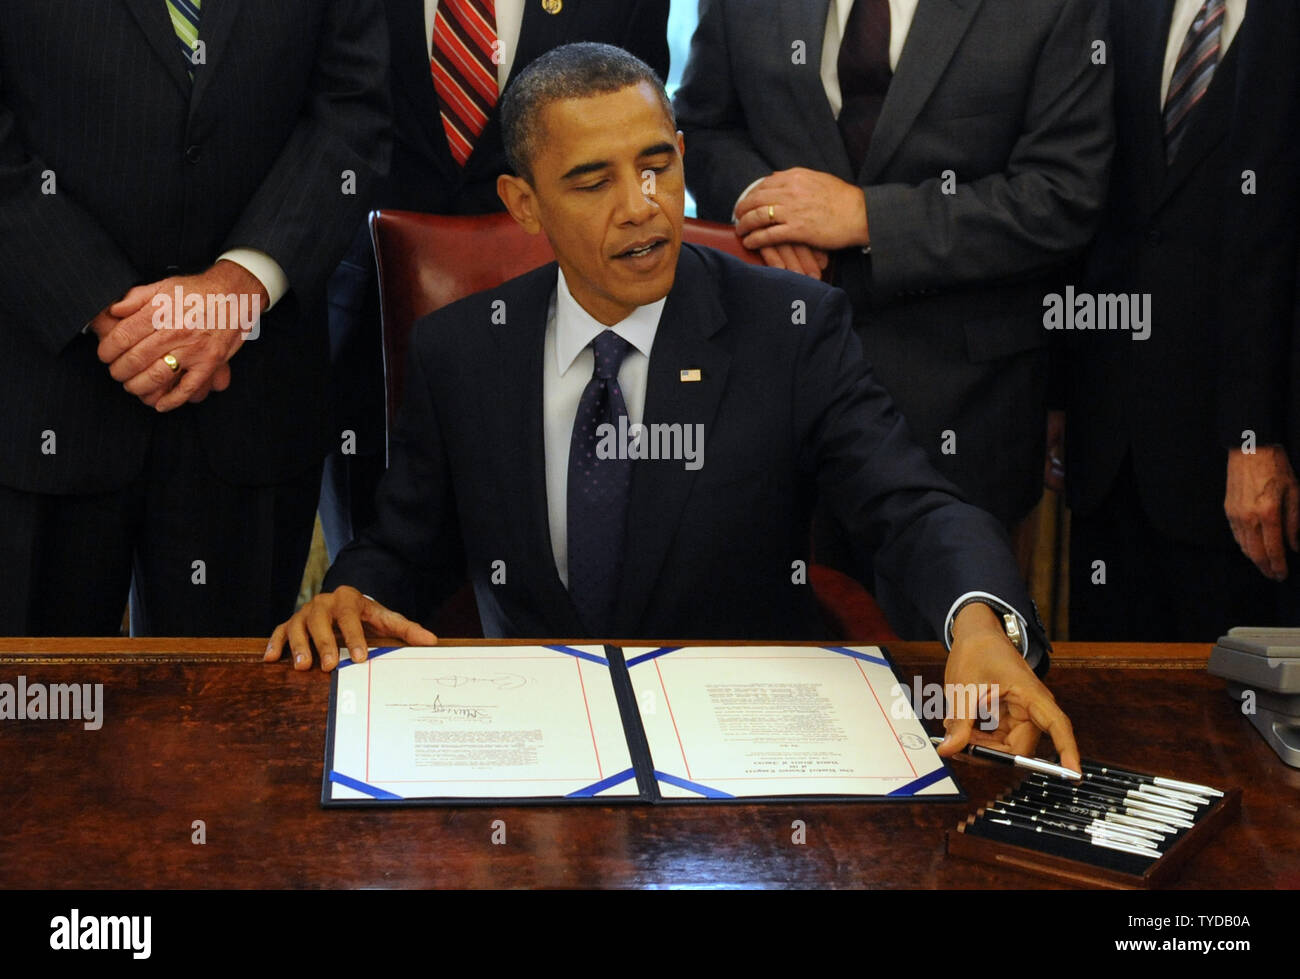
column 710, row 113
column 300, row 215
column 647, row 35
column 1044, row 206
column 1257, row 289
column 880, row 484
column 58, row 267
column 412, row 557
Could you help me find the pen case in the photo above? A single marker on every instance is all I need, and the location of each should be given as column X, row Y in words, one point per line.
column 1076, row 862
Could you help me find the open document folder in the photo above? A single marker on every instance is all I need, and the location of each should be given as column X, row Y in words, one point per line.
column 549, row 724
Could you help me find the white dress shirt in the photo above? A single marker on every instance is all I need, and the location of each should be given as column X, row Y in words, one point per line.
column 567, row 364
column 1185, row 12
column 510, row 19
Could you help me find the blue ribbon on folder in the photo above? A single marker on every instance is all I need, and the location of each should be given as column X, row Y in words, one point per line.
column 661, row 651
column 845, row 651
column 581, row 654
column 360, row 786
column 377, row 651
column 587, row 791
column 682, row 783
column 916, row 785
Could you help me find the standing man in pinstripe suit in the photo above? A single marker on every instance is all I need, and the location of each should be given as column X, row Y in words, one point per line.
column 165, row 165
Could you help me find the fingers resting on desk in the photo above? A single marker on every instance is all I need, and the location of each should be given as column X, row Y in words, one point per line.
column 343, row 619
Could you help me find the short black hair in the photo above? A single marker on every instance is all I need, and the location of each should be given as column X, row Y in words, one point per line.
column 571, row 71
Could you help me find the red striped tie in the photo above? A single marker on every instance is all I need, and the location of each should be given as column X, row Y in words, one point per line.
column 464, row 33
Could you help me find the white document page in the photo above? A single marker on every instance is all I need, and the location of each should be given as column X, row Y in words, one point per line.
column 746, row 721
column 478, row 722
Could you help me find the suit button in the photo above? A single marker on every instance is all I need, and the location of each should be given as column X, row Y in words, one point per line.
column 1153, row 236
column 194, row 153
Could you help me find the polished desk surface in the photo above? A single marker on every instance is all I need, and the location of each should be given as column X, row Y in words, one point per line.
column 202, row 730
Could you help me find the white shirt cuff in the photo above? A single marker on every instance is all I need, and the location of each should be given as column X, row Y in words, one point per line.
column 263, row 268
column 997, row 604
column 743, row 194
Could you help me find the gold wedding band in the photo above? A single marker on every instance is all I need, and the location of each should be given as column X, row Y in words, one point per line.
column 771, row 214
column 171, row 361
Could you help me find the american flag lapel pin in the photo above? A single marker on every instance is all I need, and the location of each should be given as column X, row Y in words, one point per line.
column 691, row 374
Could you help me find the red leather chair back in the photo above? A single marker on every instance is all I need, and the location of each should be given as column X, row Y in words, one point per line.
column 427, row 261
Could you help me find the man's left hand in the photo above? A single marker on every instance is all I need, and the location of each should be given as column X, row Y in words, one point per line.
column 807, row 207
column 1022, row 705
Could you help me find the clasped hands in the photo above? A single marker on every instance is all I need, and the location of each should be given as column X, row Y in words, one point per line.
column 137, row 333
column 795, row 218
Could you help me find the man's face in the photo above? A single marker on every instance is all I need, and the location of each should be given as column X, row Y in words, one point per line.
column 608, row 190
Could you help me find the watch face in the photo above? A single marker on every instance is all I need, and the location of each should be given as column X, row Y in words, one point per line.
column 1012, row 625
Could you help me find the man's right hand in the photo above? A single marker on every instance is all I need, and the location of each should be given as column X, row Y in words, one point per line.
column 1262, row 503
column 796, row 258
column 103, row 324
column 344, row 613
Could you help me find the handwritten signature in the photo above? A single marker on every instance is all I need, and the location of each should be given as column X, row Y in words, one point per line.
column 468, row 713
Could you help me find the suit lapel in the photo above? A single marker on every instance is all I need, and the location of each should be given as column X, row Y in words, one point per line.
column 692, row 315
column 540, row 31
column 413, row 75
column 937, row 29
column 216, row 25
column 520, row 421
column 152, row 17
column 806, row 19
column 1150, row 37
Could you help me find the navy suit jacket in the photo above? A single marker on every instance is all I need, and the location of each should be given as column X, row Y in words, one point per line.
column 789, row 411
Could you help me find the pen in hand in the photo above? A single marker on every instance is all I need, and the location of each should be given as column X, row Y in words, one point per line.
column 1020, row 761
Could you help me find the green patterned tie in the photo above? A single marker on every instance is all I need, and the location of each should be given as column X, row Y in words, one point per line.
column 185, row 21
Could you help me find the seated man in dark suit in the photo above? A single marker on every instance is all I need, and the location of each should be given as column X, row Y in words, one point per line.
column 516, row 460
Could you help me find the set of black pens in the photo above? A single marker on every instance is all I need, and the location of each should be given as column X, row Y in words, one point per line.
column 1147, row 814
column 1107, row 808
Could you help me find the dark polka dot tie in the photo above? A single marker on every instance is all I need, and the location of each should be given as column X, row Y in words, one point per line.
column 598, row 490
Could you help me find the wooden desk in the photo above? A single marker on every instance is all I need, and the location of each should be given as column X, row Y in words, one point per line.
column 202, row 730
